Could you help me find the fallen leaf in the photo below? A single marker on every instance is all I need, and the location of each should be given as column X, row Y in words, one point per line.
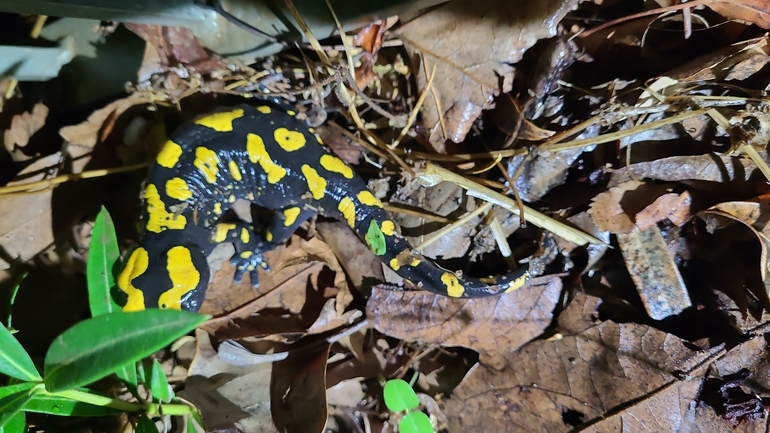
column 99, row 123
column 473, row 46
column 24, row 126
column 493, row 326
column 674, row 207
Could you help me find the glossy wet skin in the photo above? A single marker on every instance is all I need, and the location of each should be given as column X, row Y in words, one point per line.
column 263, row 155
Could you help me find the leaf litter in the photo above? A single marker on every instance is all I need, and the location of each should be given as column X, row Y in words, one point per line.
column 635, row 138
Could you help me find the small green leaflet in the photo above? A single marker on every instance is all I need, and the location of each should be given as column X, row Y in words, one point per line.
column 375, row 238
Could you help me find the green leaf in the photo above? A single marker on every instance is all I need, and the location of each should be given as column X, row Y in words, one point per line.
column 145, row 425
column 399, row 396
column 102, row 256
column 127, row 374
column 56, row 405
column 376, row 239
column 415, row 422
column 194, row 423
column 96, row 347
column 159, row 387
column 16, row 424
column 14, row 360
column 11, row 404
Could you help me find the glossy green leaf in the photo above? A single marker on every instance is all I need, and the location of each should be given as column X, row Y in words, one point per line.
column 159, row 387
column 415, row 422
column 102, row 256
column 145, row 425
column 96, row 347
column 16, row 424
column 12, row 404
column 127, row 374
column 399, row 396
column 194, row 423
column 14, row 360
column 56, row 405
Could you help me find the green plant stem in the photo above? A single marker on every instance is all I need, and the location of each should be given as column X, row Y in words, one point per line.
column 148, row 408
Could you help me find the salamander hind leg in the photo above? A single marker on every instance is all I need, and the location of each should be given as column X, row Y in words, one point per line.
column 249, row 249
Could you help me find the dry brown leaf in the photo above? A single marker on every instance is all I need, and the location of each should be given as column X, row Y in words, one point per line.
column 473, row 45
column 655, row 274
column 304, row 275
column 592, row 370
column 87, row 134
column 745, row 11
column 709, row 168
column 23, row 126
column 674, row 207
column 356, row 258
column 298, row 390
column 445, row 199
column 492, row 326
column 734, row 62
column 25, row 219
column 608, row 214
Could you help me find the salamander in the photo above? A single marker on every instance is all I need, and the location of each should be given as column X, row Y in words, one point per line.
column 265, row 155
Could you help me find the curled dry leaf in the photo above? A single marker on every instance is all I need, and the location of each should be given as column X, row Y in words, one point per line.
column 492, row 326
column 708, row 168
column 24, row 126
column 674, row 207
column 473, row 45
column 592, row 370
column 608, row 214
column 745, row 11
column 87, row 134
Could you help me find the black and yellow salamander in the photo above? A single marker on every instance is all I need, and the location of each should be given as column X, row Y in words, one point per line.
column 265, row 155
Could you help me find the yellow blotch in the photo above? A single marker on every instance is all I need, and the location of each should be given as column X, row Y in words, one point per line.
column 290, row 216
column 136, row 265
column 367, row 198
column 207, row 161
column 264, row 109
column 348, row 210
column 169, row 154
column 335, row 165
column 388, row 227
column 220, row 122
column 318, row 139
column 218, row 208
column 159, row 218
column 394, row 264
column 222, row 230
column 414, row 262
column 245, row 235
column 518, row 283
column 184, row 278
column 235, row 171
column 245, row 254
column 289, row 140
column 177, row 188
column 453, row 287
column 269, row 236
column 315, row 183
column 255, row 147
column 291, row 112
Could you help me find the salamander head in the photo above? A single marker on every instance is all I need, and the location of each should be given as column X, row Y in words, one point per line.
column 174, row 277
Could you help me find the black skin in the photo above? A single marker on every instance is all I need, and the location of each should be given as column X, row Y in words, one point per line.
column 209, row 200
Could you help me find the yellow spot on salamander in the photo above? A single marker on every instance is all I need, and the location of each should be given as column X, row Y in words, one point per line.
column 245, row 235
column 291, row 112
column 235, row 171
column 518, row 283
column 394, row 264
column 318, row 139
column 184, row 278
column 348, row 210
column 245, row 254
column 335, row 165
column 136, row 265
column 220, row 122
column 177, row 188
column 264, row 109
column 388, row 227
column 169, row 154
column 159, row 218
column 231, row 199
column 269, row 236
column 414, row 262
column 290, row 216
column 222, row 230
column 453, row 287
column 207, row 162
column 315, row 183
column 218, row 208
column 367, row 198
column 289, row 140
column 255, row 147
